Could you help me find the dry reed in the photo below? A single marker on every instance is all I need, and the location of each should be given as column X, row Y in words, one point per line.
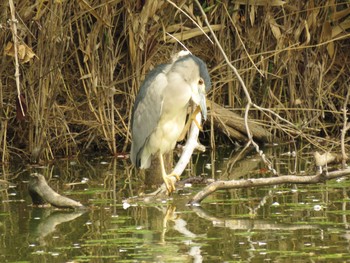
column 82, row 62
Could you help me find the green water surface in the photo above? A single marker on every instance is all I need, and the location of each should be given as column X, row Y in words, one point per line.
column 288, row 223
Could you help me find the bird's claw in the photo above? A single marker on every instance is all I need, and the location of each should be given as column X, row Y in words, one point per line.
column 170, row 183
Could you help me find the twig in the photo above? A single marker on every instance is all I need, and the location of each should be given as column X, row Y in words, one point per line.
column 346, row 127
column 14, row 22
column 249, row 100
column 178, row 41
column 200, row 28
column 235, row 184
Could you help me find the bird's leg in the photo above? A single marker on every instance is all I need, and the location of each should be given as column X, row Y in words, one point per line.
column 188, row 123
column 169, row 215
column 168, row 178
column 320, row 169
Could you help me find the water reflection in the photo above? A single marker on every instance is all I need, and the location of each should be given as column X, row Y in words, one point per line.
column 43, row 222
column 248, row 224
column 285, row 223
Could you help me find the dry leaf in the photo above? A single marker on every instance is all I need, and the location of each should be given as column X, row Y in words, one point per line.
column 312, row 17
column 339, row 15
column 326, row 32
column 261, row 2
column 303, row 27
column 336, row 30
column 330, row 49
column 25, row 53
column 275, row 28
column 191, row 33
column 9, row 50
column 298, row 31
column 252, row 15
column 298, row 102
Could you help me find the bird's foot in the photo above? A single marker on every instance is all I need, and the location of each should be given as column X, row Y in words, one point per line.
column 169, row 180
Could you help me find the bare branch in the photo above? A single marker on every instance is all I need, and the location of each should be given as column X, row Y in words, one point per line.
column 287, row 179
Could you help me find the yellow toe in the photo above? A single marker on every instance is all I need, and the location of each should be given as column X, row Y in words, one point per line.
column 169, row 182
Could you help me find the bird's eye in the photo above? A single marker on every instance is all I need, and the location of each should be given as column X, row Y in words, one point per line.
column 200, row 82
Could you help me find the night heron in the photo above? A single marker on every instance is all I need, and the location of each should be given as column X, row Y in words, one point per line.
column 160, row 109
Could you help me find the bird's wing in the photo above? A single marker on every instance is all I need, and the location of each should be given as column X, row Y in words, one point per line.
column 147, row 110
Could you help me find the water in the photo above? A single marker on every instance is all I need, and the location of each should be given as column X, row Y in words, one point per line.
column 288, row 223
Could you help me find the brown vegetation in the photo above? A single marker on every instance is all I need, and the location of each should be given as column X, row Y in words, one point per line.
column 81, row 64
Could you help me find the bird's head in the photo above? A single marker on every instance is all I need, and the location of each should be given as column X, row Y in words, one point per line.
column 197, row 75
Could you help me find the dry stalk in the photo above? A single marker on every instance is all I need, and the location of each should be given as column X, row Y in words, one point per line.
column 242, row 43
column 194, row 22
column 263, row 181
column 80, row 88
column 14, row 22
column 346, row 127
column 249, row 100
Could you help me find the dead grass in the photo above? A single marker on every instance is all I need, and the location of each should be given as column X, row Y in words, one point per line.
column 82, row 63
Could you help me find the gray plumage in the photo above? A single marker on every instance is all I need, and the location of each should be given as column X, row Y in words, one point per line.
column 160, row 108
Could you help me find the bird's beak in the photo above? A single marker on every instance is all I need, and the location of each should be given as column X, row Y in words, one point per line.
column 203, row 104
column 198, row 97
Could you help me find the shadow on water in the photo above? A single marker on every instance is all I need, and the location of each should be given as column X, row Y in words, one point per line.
column 299, row 223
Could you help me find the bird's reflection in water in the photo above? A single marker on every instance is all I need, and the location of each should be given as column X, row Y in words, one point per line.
column 166, row 221
column 44, row 222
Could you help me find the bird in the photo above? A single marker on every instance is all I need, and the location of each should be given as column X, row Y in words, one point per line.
column 322, row 160
column 161, row 106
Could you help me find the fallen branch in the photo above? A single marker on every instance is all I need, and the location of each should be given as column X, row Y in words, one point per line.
column 245, row 183
column 42, row 193
column 233, row 125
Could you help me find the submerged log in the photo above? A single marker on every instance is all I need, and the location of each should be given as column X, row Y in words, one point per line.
column 42, row 193
column 233, row 126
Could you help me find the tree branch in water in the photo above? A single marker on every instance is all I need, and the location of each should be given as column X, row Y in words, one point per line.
column 234, row 184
